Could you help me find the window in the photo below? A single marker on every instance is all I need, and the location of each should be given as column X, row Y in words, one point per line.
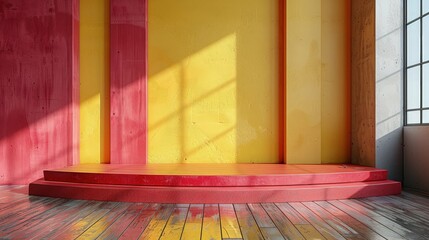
column 416, row 59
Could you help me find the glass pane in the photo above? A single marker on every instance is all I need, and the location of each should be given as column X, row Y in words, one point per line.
column 413, row 43
column 425, row 6
column 413, row 117
column 426, row 116
column 425, row 43
column 413, row 9
column 426, row 85
column 413, row 88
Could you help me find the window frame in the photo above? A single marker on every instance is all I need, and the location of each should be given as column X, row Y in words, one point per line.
column 420, row 64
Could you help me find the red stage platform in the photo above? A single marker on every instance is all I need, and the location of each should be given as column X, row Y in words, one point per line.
column 214, row 183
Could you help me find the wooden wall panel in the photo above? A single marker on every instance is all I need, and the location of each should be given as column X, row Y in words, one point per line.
column 128, row 89
column 363, row 82
column 38, row 87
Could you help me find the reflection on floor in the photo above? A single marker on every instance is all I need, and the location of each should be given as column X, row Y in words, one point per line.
column 404, row 216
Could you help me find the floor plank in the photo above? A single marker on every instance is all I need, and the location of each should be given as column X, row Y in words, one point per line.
column 175, row 224
column 194, row 222
column 104, row 222
column 266, row 225
column 414, row 197
column 396, row 221
column 340, row 226
column 327, row 231
column 261, row 216
column 157, row 224
column 374, row 213
column 51, row 225
column 304, row 227
column 400, row 205
column 368, row 221
column 404, row 216
column 75, row 230
column 20, row 229
column 412, row 203
column 359, row 227
column 229, row 222
column 57, row 228
column 115, row 230
column 211, row 222
column 139, row 224
column 10, row 220
column 282, row 222
column 249, row 227
column 271, row 233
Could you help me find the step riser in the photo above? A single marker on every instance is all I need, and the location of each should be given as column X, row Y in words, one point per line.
column 213, row 181
column 213, row 194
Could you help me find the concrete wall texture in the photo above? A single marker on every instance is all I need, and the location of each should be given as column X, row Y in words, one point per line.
column 388, row 84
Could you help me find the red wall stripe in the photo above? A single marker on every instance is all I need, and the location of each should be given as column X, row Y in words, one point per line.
column 75, row 84
column 38, row 87
column 128, row 81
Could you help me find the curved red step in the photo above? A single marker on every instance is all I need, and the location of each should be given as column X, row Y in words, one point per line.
column 212, row 175
column 122, row 193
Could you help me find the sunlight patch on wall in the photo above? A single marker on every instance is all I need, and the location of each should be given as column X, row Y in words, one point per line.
column 213, row 81
column 94, row 81
column 193, row 103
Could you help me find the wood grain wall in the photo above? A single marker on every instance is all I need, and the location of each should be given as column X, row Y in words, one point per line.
column 363, row 82
column 39, row 88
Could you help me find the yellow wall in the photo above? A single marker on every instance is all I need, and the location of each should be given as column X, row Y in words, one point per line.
column 94, row 79
column 213, row 72
column 213, row 79
column 318, row 94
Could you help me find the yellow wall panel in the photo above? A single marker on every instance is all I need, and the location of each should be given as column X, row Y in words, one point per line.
column 336, row 140
column 318, row 82
column 304, row 66
column 213, row 79
column 94, row 80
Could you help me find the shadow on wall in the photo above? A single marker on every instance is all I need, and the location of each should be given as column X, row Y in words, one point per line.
column 389, row 89
column 36, row 101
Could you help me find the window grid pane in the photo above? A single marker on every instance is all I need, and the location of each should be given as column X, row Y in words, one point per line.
column 413, row 117
column 416, row 57
column 425, row 43
column 413, row 9
column 425, row 85
column 425, row 6
column 413, row 43
column 413, row 88
column 426, row 116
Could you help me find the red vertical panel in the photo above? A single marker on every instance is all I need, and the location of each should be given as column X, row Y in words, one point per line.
column 37, row 66
column 128, row 83
column 75, row 83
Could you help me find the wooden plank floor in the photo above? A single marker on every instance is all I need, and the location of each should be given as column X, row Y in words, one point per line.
column 405, row 216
